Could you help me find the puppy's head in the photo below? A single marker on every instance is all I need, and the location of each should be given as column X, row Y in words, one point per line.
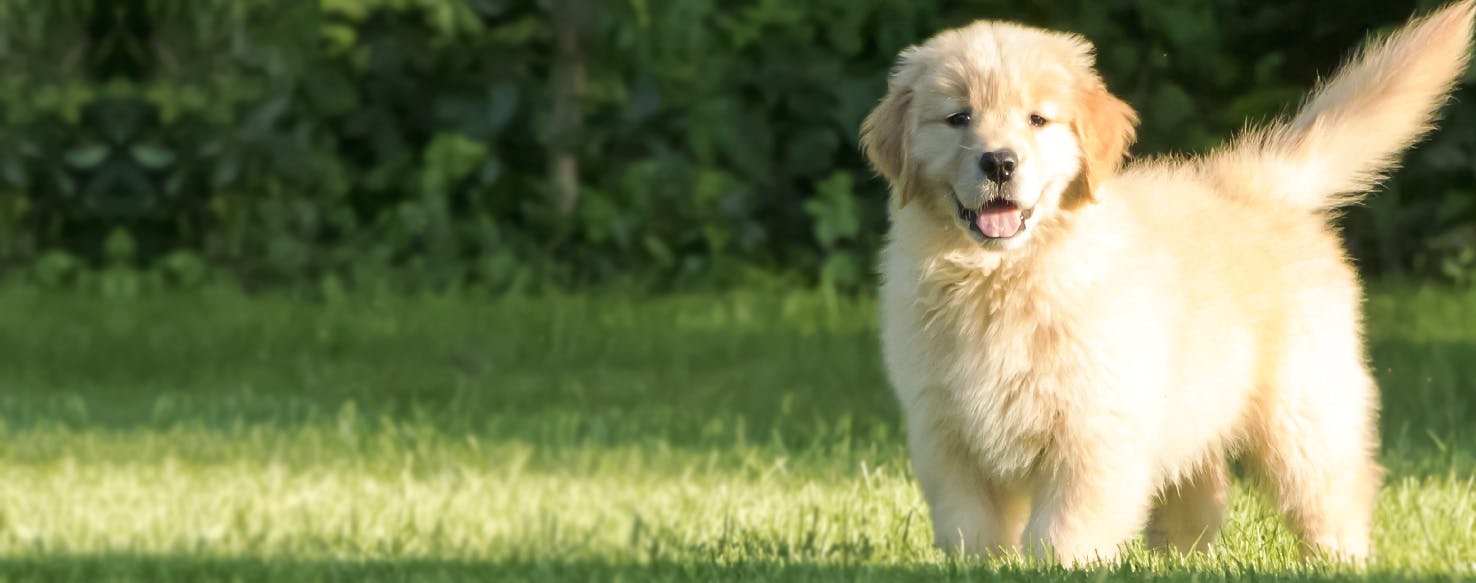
column 994, row 128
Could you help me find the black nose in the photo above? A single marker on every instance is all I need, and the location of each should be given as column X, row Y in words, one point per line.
column 998, row 165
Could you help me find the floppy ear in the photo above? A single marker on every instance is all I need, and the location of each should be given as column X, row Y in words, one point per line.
column 1105, row 127
column 885, row 132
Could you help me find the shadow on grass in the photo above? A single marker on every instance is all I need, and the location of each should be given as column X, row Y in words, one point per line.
column 190, row 568
column 697, row 374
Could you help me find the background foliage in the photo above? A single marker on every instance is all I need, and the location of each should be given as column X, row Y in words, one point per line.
column 406, row 144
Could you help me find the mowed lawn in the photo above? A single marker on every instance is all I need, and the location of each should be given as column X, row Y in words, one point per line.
column 733, row 436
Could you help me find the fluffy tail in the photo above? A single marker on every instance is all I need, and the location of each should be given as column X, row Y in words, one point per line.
column 1353, row 128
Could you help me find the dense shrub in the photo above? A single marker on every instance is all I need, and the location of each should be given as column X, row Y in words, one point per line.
column 406, row 144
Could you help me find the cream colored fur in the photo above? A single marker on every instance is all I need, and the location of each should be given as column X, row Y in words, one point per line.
column 1086, row 380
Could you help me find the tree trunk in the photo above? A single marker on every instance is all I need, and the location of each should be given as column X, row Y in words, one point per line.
column 567, row 84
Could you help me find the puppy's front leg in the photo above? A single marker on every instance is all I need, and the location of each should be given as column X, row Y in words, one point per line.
column 973, row 513
column 1091, row 504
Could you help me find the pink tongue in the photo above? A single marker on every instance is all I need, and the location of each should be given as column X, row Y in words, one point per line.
column 998, row 223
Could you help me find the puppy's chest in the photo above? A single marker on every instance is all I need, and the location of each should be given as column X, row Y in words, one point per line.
column 1011, row 362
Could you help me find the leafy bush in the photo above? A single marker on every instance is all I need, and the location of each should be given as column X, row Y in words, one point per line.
column 413, row 144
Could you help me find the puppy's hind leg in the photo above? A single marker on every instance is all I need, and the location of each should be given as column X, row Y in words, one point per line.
column 1188, row 514
column 1315, row 447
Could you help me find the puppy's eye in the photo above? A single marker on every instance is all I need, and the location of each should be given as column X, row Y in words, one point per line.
column 957, row 120
column 1038, row 121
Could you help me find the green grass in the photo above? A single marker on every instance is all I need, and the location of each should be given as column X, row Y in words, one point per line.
column 574, row 438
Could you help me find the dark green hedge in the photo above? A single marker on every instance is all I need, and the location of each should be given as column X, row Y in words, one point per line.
column 407, row 144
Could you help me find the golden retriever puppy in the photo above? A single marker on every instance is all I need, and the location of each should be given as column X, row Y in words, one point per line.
column 1078, row 346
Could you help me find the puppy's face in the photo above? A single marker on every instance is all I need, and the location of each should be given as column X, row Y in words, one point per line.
column 997, row 128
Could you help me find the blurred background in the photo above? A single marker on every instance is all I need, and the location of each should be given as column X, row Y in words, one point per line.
column 521, row 145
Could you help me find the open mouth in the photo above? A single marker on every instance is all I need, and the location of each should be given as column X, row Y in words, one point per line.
column 997, row 219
